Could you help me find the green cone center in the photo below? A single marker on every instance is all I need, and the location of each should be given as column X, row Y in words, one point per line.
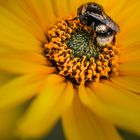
column 82, row 44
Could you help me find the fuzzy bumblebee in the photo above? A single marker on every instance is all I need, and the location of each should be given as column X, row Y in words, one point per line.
column 93, row 15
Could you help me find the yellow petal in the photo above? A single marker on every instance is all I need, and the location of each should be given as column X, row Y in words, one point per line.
column 130, row 67
column 7, row 122
column 5, row 77
column 81, row 124
column 23, row 55
column 114, row 105
column 22, row 66
column 47, row 108
column 73, row 5
column 127, row 8
column 129, row 59
column 130, row 53
column 61, row 8
column 31, row 15
column 130, row 31
column 131, row 83
column 14, row 35
column 34, row 9
column 131, row 36
column 19, row 90
column 115, row 7
column 49, row 10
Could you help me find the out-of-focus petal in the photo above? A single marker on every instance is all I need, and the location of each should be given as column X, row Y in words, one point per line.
column 43, row 113
column 81, row 124
column 115, row 105
column 19, row 90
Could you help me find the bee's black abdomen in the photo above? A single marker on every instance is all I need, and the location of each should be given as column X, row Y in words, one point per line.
column 106, row 34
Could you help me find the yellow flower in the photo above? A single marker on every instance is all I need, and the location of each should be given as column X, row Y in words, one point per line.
column 89, row 110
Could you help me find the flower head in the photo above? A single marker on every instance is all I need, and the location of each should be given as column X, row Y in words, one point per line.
column 74, row 67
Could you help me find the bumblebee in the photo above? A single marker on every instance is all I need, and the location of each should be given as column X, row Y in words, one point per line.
column 93, row 15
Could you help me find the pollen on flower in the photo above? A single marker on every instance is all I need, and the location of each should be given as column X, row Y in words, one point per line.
column 76, row 55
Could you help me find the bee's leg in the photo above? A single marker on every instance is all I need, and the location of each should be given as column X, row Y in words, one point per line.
column 72, row 19
column 93, row 33
column 93, row 26
column 92, row 38
column 114, row 40
column 75, row 18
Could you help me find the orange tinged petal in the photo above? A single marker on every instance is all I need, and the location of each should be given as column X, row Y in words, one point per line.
column 130, row 53
column 61, row 9
column 130, row 67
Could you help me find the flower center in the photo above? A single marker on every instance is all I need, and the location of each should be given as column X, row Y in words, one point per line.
column 79, row 53
column 82, row 44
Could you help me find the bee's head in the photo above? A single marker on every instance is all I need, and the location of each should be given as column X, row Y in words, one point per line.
column 90, row 7
column 86, row 20
column 84, row 12
column 94, row 8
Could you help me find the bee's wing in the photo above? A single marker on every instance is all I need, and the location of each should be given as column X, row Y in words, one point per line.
column 110, row 23
column 106, row 20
